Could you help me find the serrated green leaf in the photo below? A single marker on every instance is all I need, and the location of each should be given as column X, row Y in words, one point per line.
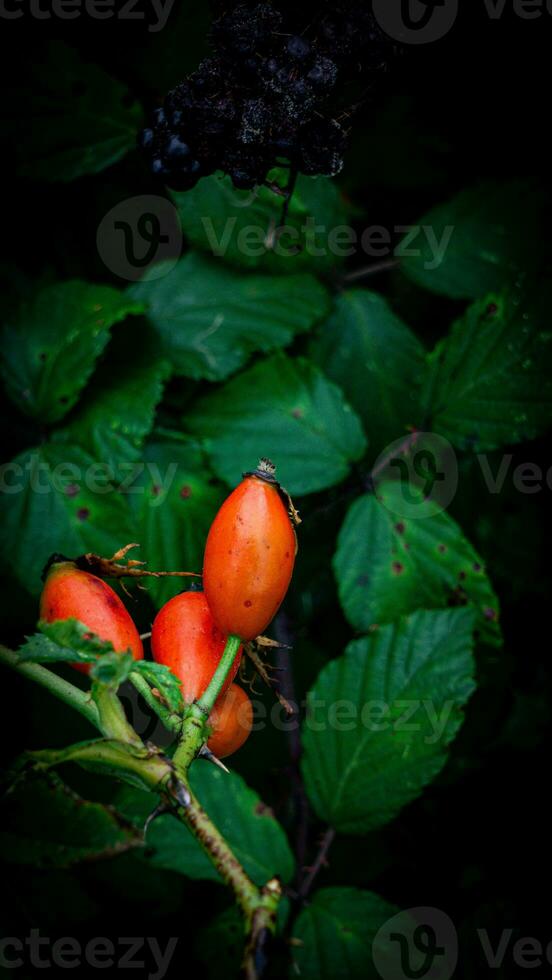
column 58, row 499
column 377, row 361
column 287, row 410
column 77, row 118
column 50, row 349
column 64, row 639
column 488, row 235
column 490, row 381
column 380, row 718
column 255, row 836
column 210, row 319
column 387, row 565
column 237, row 226
column 69, row 830
column 333, row 936
column 117, row 410
column 174, row 505
column 160, row 677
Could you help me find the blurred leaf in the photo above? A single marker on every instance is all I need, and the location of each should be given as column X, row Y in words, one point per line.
column 333, row 936
column 387, row 565
column 49, row 350
column 376, row 360
column 163, row 679
column 69, row 830
column 489, row 382
column 287, row 410
column 237, row 226
column 76, row 118
column 57, row 498
column 210, row 319
column 490, row 233
column 380, row 717
column 174, row 504
column 255, row 836
column 118, row 407
column 66, row 639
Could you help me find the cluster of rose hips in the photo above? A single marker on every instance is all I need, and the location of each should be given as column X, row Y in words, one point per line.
column 248, row 563
column 263, row 98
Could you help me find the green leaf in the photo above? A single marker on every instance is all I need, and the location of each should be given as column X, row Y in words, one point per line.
column 379, row 718
column 58, row 499
column 118, row 407
column 69, row 829
column 77, row 118
column 377, row 361
column 490, row 381
column 66, row 639
column 50, row 349
column 387, row 565
column 287, row 410
column 236, row 225
column 333, row 936
column 249, row 827
column 160, row 677
column 174, row 503
column 489, row 234
column 210, row 319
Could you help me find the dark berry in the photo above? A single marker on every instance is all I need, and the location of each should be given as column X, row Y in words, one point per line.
column 298, row 48
column 158, row 168
column 176, row 150
column 323, row 74
column 145, row 138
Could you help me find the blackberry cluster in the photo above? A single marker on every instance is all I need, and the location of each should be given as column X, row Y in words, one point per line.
column 267, row 95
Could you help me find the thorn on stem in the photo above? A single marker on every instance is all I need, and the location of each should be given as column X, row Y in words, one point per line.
column 205, row 753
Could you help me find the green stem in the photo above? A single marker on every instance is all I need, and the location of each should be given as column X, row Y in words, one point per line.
column 126, row 754
column 171, row 721
column 60, row 688
column 195, row 717
column 113, row 721
column 150, row 769
column 212, row 691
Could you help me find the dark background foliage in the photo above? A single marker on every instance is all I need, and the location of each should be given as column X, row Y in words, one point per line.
column 467, row 109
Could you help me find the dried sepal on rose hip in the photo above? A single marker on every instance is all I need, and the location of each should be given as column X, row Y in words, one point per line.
column 250, row 554
column 71, row 593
